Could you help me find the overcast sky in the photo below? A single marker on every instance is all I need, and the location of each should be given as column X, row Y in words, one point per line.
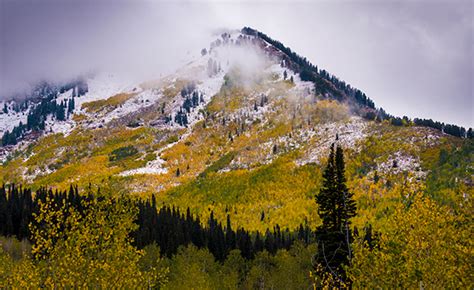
column 412, row 58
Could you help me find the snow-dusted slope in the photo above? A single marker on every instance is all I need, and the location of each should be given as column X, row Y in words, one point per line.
column 11, row 118
column 238, row 97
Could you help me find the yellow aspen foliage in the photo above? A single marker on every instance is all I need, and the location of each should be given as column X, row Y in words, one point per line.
column 330, row 111
column 20, row 274
column 91, row 248
column 425, row 245
column 322, row 279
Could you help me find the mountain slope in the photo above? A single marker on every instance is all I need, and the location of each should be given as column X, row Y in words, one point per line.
column 243, row 130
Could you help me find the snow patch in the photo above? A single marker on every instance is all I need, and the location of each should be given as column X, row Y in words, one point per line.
column 400, row 162
column 152, row 167
column 11, row 119
column 142, row 100
column 103, row 86
column 349, row 134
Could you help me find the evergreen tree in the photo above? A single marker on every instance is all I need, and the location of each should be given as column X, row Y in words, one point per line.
column 336, row 208
column 230, row 236
column 346, row 202
column 60, row 114
column 71, row 106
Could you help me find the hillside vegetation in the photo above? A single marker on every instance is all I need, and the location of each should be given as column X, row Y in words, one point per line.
column 219, row 176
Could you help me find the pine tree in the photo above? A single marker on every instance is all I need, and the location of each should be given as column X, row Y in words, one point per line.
column 346, row 203
column 71, row 106
column 326, row 196
column 336, row 208
column 60, row 114
column 469, row 134
column 230, row 236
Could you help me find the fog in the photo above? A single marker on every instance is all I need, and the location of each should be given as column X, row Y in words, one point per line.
column 58, row 41
column 246, row 63
column 412, row 58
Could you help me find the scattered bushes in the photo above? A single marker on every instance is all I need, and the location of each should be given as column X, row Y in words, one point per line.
column 122, row 152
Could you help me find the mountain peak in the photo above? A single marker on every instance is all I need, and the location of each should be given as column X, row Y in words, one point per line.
column 325, row 84
column 242, row 77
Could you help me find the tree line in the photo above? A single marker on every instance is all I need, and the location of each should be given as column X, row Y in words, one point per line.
column 167, row 227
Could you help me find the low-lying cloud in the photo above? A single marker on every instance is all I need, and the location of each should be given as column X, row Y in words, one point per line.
column 412, row 57
column 58, row 40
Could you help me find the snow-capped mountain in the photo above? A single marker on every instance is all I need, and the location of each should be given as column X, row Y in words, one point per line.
column 248, row 107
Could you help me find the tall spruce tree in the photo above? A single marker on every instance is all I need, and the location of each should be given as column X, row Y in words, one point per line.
column 336, row 208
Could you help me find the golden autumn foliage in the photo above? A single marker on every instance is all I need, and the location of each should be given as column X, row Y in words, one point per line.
column 88, row 249
column 426, row 245
column 324, row 280
column 330, row 111
column 110, row 103
column 283, row 192
column 18, row 274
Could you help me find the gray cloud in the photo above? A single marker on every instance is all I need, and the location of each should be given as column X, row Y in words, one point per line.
column 412, row 58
